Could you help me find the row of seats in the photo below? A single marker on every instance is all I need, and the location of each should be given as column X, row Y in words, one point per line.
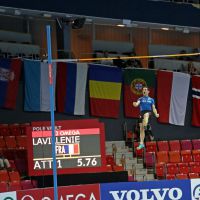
column 163, row 170
column 17, row 185
column 172, row 145
column 111, row 164
column 13, row 142
column 13, row 129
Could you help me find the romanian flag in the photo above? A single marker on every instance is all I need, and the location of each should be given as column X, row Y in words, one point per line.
column 134, row 81
column 105, row 90
column 10, row 70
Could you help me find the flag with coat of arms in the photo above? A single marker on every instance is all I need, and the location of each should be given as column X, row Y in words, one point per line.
column 134, row 81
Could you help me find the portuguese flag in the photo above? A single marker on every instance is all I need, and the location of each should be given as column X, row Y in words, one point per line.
column 134, row 81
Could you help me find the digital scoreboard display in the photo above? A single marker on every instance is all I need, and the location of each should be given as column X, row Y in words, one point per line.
column 77, row 150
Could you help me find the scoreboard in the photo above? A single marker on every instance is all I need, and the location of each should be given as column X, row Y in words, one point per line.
column 79, row 147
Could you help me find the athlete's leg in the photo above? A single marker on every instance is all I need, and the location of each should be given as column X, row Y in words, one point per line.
column 145, row 120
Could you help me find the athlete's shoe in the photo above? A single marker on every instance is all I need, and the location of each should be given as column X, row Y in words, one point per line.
column 141, row 146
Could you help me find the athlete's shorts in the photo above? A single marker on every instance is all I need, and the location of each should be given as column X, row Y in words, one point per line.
column 142, row 113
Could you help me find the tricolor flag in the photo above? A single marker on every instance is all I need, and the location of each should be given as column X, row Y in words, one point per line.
column 72, row 149
column 37, row 92
column 10, row 70
column 134, row 81
column 172, row 93
column 71, row 87
column 105, row 90
column 196, row 100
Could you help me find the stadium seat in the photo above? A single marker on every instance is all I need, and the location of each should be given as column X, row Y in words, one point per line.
column 186, row 144
column 186, row 156
column 196, row 143
column 174, row 145
column 151, row 146
column 4, row 129
column 109, row 168
column 160, row 170
column 2, row 143
column 23, row 128
column 4, row 176
column 26, row 184
column 194, row 168
column 3, row 187
column 174, row 157
column 22, row 141
column 170, row 176
column 163, row 146
column 183, row 168
column 110, row 160
column 10, row 142
column 14, row 176
column 162, row 157
column 138, row 152
column 193, row 175
column 149, row 159
column 171, row 168
column 118, row 168
column 15, row 129
column 181, row 176
column 14, row 186
column 196, row 155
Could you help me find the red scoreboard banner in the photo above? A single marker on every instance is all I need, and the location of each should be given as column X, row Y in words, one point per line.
column 79, row 147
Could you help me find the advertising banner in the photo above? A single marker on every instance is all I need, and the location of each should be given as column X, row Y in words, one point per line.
column 148, row 190
column 82, row 192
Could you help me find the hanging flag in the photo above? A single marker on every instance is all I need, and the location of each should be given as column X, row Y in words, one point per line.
column 105, row 90
column 196, row 100
column 134, row 81
column 10, row 70
column 172, row 93
column 37, row 92
column 71, row 87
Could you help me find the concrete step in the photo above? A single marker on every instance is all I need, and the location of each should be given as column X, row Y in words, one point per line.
column 140, row 171
column 117, row 143
column 140, row 177
column 150, row 177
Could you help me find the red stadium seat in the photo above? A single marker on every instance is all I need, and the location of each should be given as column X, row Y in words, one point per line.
column 195, row 168
column 160, row 170
column 171, row 168
column 138, row 152
column 162, row 157
column 4, row 176
column 196, row 155
column 186, row 144
column 196, row 143
column 183, row 168
column 193, row 175
column 4, row 130
column 14, row 186
column 2, row 143
column 10, row 142
column 151, row 146
column 3, row 187
column 14, row 176
column 110, row 160
column 22, row 141
column 149, row 159
column 163, row 146
column 174, row 145
column 186, row 156
column 26, row 184
column 23, row 128
column 15, row 129
column 170, row 176
column 118, row 168
column 181, row 176
column 174, row 157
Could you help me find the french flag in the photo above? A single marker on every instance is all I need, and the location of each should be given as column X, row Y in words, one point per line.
column 10, row 70
column 70, row 87
column 72, row 149
column 37, row 92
